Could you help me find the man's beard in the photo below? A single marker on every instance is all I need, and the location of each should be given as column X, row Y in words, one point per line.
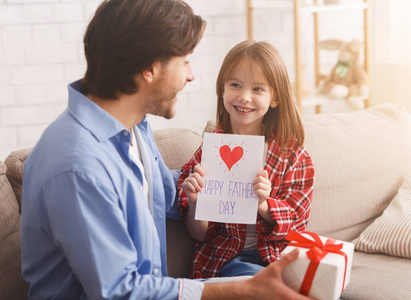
column 164, row 94
column 163, row 104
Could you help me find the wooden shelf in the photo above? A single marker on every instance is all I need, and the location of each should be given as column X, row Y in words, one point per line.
column 316, row 9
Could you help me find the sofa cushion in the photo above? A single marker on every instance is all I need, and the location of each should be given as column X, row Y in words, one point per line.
column 391, row 232
column 361, row 160
column 15, row 168
column 378, row 276
column 12, row 285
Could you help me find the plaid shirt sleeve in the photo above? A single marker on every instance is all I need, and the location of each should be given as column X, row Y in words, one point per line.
column 292, row 178
column 186, row 170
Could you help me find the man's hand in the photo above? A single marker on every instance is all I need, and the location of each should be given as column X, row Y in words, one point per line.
column 271, row 278
column 266, row 284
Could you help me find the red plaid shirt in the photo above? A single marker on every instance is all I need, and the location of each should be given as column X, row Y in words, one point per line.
column 292, row 176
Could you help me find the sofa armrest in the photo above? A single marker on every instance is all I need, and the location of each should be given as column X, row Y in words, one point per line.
column 12, row 284
column 15, row 169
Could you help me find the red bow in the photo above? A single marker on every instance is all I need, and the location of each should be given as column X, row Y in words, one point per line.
column 318, row 250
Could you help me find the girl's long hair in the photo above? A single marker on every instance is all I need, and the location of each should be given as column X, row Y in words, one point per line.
column 285, row 119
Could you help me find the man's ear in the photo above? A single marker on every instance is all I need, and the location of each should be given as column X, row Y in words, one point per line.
column 152, row 72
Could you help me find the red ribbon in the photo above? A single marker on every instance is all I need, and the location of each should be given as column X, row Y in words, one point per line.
column 318, row 250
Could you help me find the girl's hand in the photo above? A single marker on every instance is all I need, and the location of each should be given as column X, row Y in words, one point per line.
column 262, row 186
column 193, row 184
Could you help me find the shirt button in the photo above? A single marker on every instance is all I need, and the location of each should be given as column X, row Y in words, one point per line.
column 155, row 271
column 125, row 132
column 140, row 188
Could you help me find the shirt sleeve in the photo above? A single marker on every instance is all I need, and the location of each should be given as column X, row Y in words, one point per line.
column 172, row 209
column 89, row 226
column 191, row 289
column 290, row 201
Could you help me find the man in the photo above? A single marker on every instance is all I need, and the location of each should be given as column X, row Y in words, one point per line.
column 96, row 190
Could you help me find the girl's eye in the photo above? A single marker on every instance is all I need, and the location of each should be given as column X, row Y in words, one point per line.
column 258, row 89
column 234, row 84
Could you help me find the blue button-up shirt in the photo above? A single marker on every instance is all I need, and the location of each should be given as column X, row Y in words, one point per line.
column 88, row 231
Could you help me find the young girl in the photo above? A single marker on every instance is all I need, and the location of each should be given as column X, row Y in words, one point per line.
column 254, row 98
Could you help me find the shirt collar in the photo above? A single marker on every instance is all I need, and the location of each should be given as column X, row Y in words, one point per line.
column 143, row 124
column 99, row 122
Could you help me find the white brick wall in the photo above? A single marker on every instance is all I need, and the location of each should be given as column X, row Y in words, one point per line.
column 40, row 42
column 41, row 52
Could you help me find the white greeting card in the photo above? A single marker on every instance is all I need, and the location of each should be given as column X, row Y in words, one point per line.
column 230, row 163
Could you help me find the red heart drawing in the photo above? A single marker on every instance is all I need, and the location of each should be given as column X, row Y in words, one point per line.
column 231, row 157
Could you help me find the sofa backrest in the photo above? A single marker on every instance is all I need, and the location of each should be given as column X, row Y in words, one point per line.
column 12, row 285
column 361, row 159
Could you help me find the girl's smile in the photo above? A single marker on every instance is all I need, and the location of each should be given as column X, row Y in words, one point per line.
column 243, row 109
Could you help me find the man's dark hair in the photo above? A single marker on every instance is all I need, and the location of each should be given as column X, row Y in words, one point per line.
column 125, row 37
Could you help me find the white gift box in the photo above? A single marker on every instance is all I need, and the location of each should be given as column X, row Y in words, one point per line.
column 328, row 280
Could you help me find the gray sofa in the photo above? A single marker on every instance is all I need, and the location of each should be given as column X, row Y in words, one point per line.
column 361, row 160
